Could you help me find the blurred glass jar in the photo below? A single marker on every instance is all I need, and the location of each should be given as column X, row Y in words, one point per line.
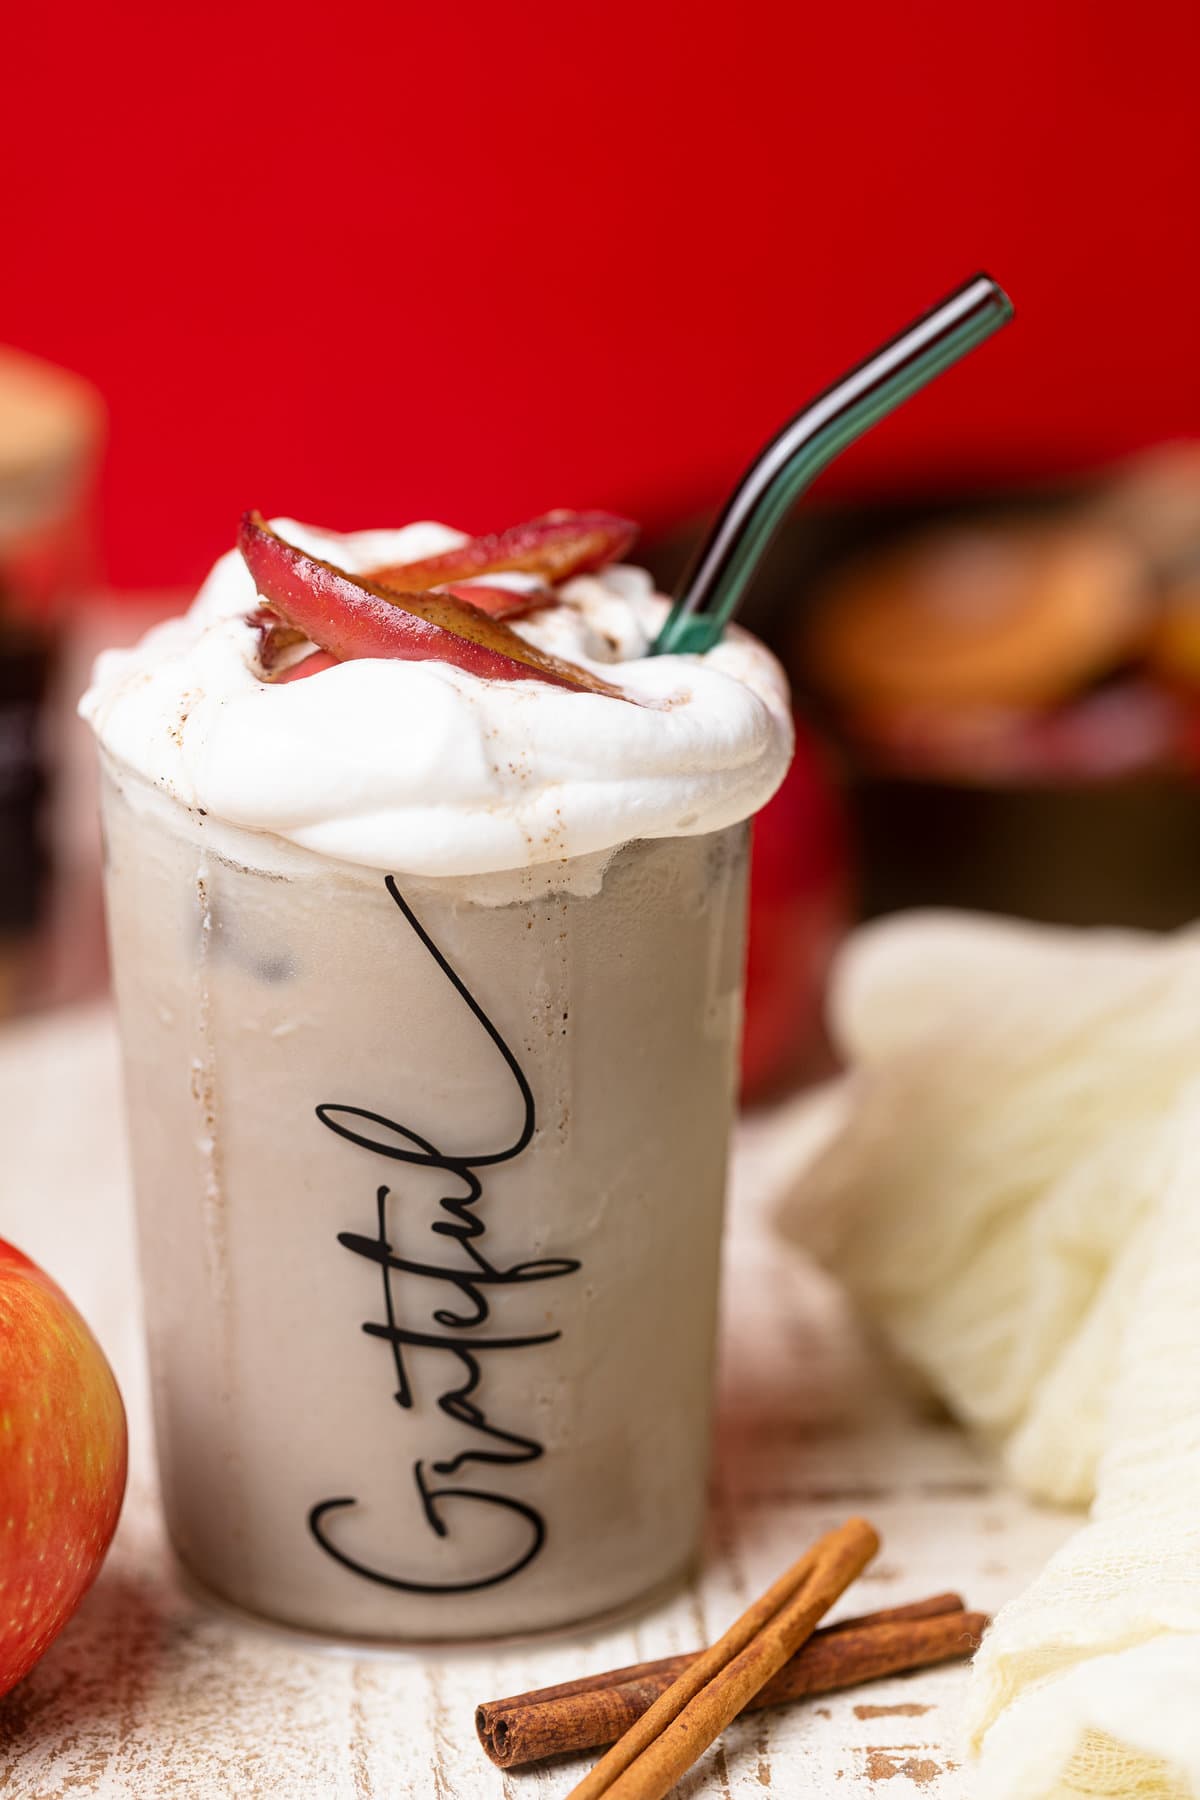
column 51, row 434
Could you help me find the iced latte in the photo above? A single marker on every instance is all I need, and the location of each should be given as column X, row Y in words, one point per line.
column 429, row 982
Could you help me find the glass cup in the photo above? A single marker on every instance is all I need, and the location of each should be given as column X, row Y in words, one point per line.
column 430, row 1176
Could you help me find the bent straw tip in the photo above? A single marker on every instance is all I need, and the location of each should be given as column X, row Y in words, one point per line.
column 710, row 592
column 999, row 296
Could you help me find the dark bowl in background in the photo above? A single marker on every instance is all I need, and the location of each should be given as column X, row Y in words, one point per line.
column 1122, row 851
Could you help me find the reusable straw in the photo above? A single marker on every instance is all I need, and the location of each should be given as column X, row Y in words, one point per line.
column 712, row 588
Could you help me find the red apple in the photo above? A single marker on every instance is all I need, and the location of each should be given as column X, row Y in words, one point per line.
column 350, row 617
column 558, row 545
column 62, row 1461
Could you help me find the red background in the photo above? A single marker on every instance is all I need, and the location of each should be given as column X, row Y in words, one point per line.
column 365, row 263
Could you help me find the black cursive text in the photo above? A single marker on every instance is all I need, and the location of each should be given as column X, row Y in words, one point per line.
column 471, row 1279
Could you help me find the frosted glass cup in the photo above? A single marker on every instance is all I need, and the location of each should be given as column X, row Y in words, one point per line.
column 430, row 1177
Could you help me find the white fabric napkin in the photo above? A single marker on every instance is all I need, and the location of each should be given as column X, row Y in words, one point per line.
column 1008, row 1180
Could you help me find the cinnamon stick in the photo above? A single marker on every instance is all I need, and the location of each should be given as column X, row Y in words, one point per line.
column 596, row 1709
column 648, row 1760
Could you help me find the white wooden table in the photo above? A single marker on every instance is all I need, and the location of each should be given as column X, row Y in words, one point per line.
column 151, row 1692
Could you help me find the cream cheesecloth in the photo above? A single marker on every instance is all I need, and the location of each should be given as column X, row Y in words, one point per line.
column 1008, row 1181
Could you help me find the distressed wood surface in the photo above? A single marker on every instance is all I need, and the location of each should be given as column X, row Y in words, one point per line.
column 150, row 1691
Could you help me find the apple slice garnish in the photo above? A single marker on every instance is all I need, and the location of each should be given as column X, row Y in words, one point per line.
column 312, row 664
column 274, row 637
column 502, row 602
column 558, row 545
column 349, row 617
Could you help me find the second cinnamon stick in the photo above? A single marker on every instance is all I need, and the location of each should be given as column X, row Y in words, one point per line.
column 598, row 1709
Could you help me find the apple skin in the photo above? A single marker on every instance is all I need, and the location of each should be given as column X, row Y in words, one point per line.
column 556, row 546
column 800, row 907
column 313, row 664
column 62, row 1461
column 274, row 637
column 502, row 603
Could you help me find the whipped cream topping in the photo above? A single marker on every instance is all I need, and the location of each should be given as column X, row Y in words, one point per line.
column 423, row 768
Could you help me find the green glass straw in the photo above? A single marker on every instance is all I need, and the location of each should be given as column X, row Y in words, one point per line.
column 710, row 592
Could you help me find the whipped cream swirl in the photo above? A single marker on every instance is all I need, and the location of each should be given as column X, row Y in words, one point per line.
column 423, row 768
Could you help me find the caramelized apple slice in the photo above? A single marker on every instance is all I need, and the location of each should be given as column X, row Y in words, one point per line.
column 274, row 637
column 308, row 665
column 350, row 617
column 500, row 602
column 558, row 545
